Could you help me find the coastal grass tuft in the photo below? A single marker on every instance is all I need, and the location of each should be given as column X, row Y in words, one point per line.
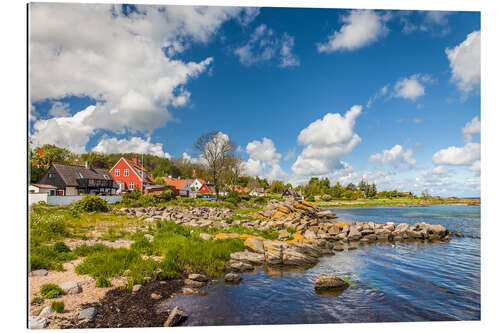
column 102, row 282
column 58, row 307
column 37, row 300
column 51, row 290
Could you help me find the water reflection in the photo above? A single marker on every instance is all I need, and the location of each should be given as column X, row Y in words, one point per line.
column 404, row 281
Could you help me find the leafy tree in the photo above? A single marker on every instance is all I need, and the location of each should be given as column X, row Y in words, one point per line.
column 336, row 191
column 277, row 186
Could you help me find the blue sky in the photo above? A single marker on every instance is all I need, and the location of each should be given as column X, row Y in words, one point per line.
column 389, row 96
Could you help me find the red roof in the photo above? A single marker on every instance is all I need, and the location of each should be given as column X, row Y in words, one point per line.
column 179, row 184
column 140, row 167
column 238, row 189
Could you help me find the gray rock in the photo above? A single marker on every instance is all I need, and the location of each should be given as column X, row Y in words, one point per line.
column 354, row 233
column 294, row 258
column 71, row 287
column 189, row 291
column 46, row 311
column 232, row 278
column 193, row 283
column 239, row 266
column 175, row 318
column 155, row 296
column 248, row 257
column 87, row 313
column 198, row 277
column 338, row 248
column 39, row 272
column 329, row 282
column 37, row 323
column 254, row 245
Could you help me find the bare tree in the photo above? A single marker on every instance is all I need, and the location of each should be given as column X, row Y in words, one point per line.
column 235, row 167
column 216, row 150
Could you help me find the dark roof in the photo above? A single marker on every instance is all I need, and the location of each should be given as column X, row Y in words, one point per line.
column 69, row 173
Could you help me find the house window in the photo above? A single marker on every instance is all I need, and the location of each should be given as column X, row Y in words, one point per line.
column 79, row 174
column 106, row 177
column 51, row 175
column 131, row 186
column 125, row 172
column 117, row 172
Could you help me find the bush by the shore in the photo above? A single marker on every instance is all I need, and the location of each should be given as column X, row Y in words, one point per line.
column 91, row 203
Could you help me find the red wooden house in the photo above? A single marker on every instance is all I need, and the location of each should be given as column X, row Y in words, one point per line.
column 129, row 174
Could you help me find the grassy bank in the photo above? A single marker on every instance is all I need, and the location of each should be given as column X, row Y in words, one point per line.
column 172, row 251
column 402, row 202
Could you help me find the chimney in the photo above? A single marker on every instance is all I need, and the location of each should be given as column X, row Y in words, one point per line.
column 135, row 160
column 87, row 165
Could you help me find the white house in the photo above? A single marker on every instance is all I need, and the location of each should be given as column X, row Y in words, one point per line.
column 42, row 188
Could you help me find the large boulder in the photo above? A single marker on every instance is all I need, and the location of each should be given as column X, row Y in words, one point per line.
column 329, row 282
column 254, row 245
column 37, row 323
column 251, row 258
column 292, row 257
column 71, row 287
column 87, row 313
column 354, row 233
column 39, row 272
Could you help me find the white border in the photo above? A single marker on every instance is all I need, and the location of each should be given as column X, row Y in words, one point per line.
column 13, row 69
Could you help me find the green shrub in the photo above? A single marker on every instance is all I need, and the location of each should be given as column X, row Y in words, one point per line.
column 57, row 306
column 102, row 282
column 147, row 200
column 50, row 257
column 51, row 290
column 86, row 250
column 233, row 197
column 91, row 203
column 165, row 196
column 60, row 247
column 259, row 200
column 37, row 300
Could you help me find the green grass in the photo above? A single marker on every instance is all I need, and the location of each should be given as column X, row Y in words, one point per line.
column 37, row 300
column 102, row 282
column 50, row 257
column 180, row 247
column 51, row 290
column 58, row 307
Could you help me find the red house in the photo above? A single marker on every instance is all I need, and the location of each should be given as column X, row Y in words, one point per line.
column 130, row 175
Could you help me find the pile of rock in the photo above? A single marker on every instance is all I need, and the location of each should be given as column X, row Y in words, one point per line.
column 295, row 214
column 195, row 216
column 307, row 246
column 193, row 283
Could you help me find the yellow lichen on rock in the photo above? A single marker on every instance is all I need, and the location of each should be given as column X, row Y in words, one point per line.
column 226, row 236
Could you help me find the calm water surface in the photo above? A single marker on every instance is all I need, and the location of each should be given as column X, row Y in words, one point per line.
column 389, row 282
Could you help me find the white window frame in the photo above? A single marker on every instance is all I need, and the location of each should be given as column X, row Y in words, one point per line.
column 131, row 185
column 117, row 172
column 125, row 173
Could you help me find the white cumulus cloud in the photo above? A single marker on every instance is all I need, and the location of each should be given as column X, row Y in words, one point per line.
column 97, row 51
column 396, row 155
column 263, row 150
column 411, row 87
column 471, row 128
column 132, row 145
column 465, row 62
column 361, row 28
column 453, row 155
column 325, row 141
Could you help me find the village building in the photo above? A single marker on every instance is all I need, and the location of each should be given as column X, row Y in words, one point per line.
column 289, row 192
column 180, row 187
column 257, row 192
column 42, row 188
column 76, row 180
column 129, row 174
